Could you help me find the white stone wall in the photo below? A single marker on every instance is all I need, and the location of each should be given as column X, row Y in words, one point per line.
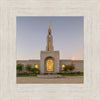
column 79, row 64
column 32, row 62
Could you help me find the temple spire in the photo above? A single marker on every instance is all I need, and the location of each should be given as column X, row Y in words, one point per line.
column 49, row 25
column 49, row 46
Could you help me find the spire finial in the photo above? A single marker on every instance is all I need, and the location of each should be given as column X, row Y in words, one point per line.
column 49, row 25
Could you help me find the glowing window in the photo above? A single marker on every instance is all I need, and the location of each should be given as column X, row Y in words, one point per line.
column 36, row 66
column 63, row 66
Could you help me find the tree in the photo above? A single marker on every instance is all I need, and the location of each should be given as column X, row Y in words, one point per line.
column 71, row 67
column 66, row 68
column 20, row 67
column 28, row 67
column 35, row 70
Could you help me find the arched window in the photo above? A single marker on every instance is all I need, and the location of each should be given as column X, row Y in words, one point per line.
column 63, row 66
column 36, row 66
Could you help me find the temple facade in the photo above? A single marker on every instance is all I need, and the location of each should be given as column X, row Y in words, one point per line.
column 49, row 59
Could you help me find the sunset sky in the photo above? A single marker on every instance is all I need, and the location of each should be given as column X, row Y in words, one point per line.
column 68, row 36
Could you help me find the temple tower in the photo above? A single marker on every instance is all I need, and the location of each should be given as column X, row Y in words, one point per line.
column 49, row 46
column 49, row 59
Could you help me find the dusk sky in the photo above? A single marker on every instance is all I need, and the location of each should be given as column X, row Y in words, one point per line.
column 68, row 36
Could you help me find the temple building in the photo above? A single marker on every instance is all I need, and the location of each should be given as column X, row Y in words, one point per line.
column 49, row 59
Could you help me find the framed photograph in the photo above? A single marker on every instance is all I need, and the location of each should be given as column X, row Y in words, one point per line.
column 61, row 61
column 49, row 50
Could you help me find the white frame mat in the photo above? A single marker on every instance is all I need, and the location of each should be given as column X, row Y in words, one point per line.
column 89, row 90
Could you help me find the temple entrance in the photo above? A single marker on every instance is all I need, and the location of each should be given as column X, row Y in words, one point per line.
column 49, row 65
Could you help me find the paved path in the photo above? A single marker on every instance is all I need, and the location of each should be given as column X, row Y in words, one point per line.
column 64, row 80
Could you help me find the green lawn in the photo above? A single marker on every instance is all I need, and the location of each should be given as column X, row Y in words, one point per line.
column 26, row 75
column 68, row 74
column 64, row 74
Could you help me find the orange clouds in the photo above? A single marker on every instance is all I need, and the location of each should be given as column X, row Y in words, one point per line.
column 74, row 58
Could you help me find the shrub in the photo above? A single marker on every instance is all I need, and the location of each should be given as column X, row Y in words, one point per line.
column 66, row 68
column 45, row 73
column 35, row 70
column 78, row 72
column 28, row 67
column 24, row 73
column 20, row 67
column 54, row 73
column 59, row 73
column 71, row 67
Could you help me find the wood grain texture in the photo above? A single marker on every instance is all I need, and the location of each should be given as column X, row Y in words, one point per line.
column 9, row 10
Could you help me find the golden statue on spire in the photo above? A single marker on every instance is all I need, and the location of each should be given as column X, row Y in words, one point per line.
column 49, row 25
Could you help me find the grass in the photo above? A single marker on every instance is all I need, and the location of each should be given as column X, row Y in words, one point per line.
column 26, row 75
column 64, row 74
column 69, row 74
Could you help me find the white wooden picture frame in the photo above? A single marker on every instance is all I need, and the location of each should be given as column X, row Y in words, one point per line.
column 10, row 90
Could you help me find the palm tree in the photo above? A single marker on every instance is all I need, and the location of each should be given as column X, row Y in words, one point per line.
column 20, row 67
column 28, row 67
